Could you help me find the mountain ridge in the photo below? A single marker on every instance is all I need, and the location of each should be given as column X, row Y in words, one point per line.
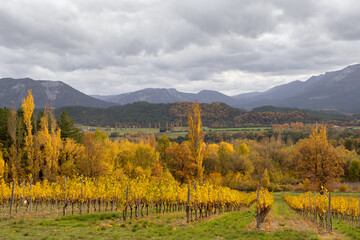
column 46, row 93
column 336, row 90
column 331, row 90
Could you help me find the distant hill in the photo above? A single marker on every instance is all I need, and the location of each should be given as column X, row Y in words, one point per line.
column 143, row 114
column 338, row 90
column 54, row 93
column 167, row 95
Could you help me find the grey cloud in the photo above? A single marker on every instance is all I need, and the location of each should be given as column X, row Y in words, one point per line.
column 116, row 46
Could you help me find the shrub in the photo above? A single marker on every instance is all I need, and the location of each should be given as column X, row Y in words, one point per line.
column 344, row 187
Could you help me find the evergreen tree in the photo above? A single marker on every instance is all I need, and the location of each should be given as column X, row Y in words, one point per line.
column 68, row 129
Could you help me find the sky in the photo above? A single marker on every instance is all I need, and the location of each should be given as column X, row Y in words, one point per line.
column 231, row 46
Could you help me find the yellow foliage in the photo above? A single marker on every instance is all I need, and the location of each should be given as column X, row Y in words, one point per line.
column 28, row 108
column 244, row 149
column 196, row 138
column 2, row 166
column 339, row 204
column 265, row 180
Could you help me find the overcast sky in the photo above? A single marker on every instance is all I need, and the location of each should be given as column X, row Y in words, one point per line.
column 232, row 46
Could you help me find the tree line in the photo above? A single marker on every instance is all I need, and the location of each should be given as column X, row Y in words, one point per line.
column 146, row 115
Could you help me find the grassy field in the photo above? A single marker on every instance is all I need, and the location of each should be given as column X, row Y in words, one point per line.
column 178, row 131
column 280, row 223
column 166, row 226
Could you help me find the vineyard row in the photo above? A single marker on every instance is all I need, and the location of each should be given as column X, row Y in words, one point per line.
column 131, row 197
column 321, row 208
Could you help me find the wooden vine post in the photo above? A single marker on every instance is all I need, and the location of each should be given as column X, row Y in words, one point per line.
column 196, row 213
column 12, row 195
column 359, row 210
column 324, row 212
column 126, row 203
column 65, row 204
column 315, row 209
column 329, row 213
column 138, row 202
column 188, row 207
column 30, row 194
column 82, row 197
column 23, row 199
column 309, row 205
column 257, row 208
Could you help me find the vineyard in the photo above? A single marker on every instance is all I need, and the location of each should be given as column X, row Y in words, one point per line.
column 322, row 208
column 133, row 198
column 265, row 200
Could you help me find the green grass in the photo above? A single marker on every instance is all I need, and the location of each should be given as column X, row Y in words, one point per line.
column 349, row 230
column 163, row 226
column 281, row 209
column 178, row 131
column 237, row 129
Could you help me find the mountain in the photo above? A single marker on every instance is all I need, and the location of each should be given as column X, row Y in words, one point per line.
column 332, row 91
column 54, row 93
column 167, row 95
column 338, row 90
column 150, row 95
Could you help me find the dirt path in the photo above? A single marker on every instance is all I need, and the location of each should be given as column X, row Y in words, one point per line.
column 281, row 217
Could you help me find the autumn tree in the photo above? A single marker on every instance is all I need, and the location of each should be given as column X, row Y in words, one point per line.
column 28, row 109
column 211, row 163
column 163, row 143
column 225, row 154
column 93, row 160
column 56, row 143
column 196, row 138
column 14, row 161
column 265, row 180
column 43, row 149
column 70, row 154
column 354, row 170
column 47, row 147
column 318, row 160
column 182, row 166
column 2, row 166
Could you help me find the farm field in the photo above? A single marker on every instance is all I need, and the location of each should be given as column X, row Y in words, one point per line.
column 280, row 223
column 178, row 131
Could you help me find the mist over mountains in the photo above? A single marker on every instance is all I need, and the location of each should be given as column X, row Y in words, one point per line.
column 337, row 90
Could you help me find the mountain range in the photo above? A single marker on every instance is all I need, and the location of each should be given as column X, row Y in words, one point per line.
column 167, row 95
column 52, row 93
column 336, row 90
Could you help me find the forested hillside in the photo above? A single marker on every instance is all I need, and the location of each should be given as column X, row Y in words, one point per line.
column 142, row 114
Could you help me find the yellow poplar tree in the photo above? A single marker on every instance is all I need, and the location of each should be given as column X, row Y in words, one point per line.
column 2, row 166
column 56, row 144
column 28, row 108
column 196, row 138
column 44, row 148
column 14, row 161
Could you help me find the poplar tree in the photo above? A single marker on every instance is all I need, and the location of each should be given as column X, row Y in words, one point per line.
column 28, row 109
column 196, row 138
